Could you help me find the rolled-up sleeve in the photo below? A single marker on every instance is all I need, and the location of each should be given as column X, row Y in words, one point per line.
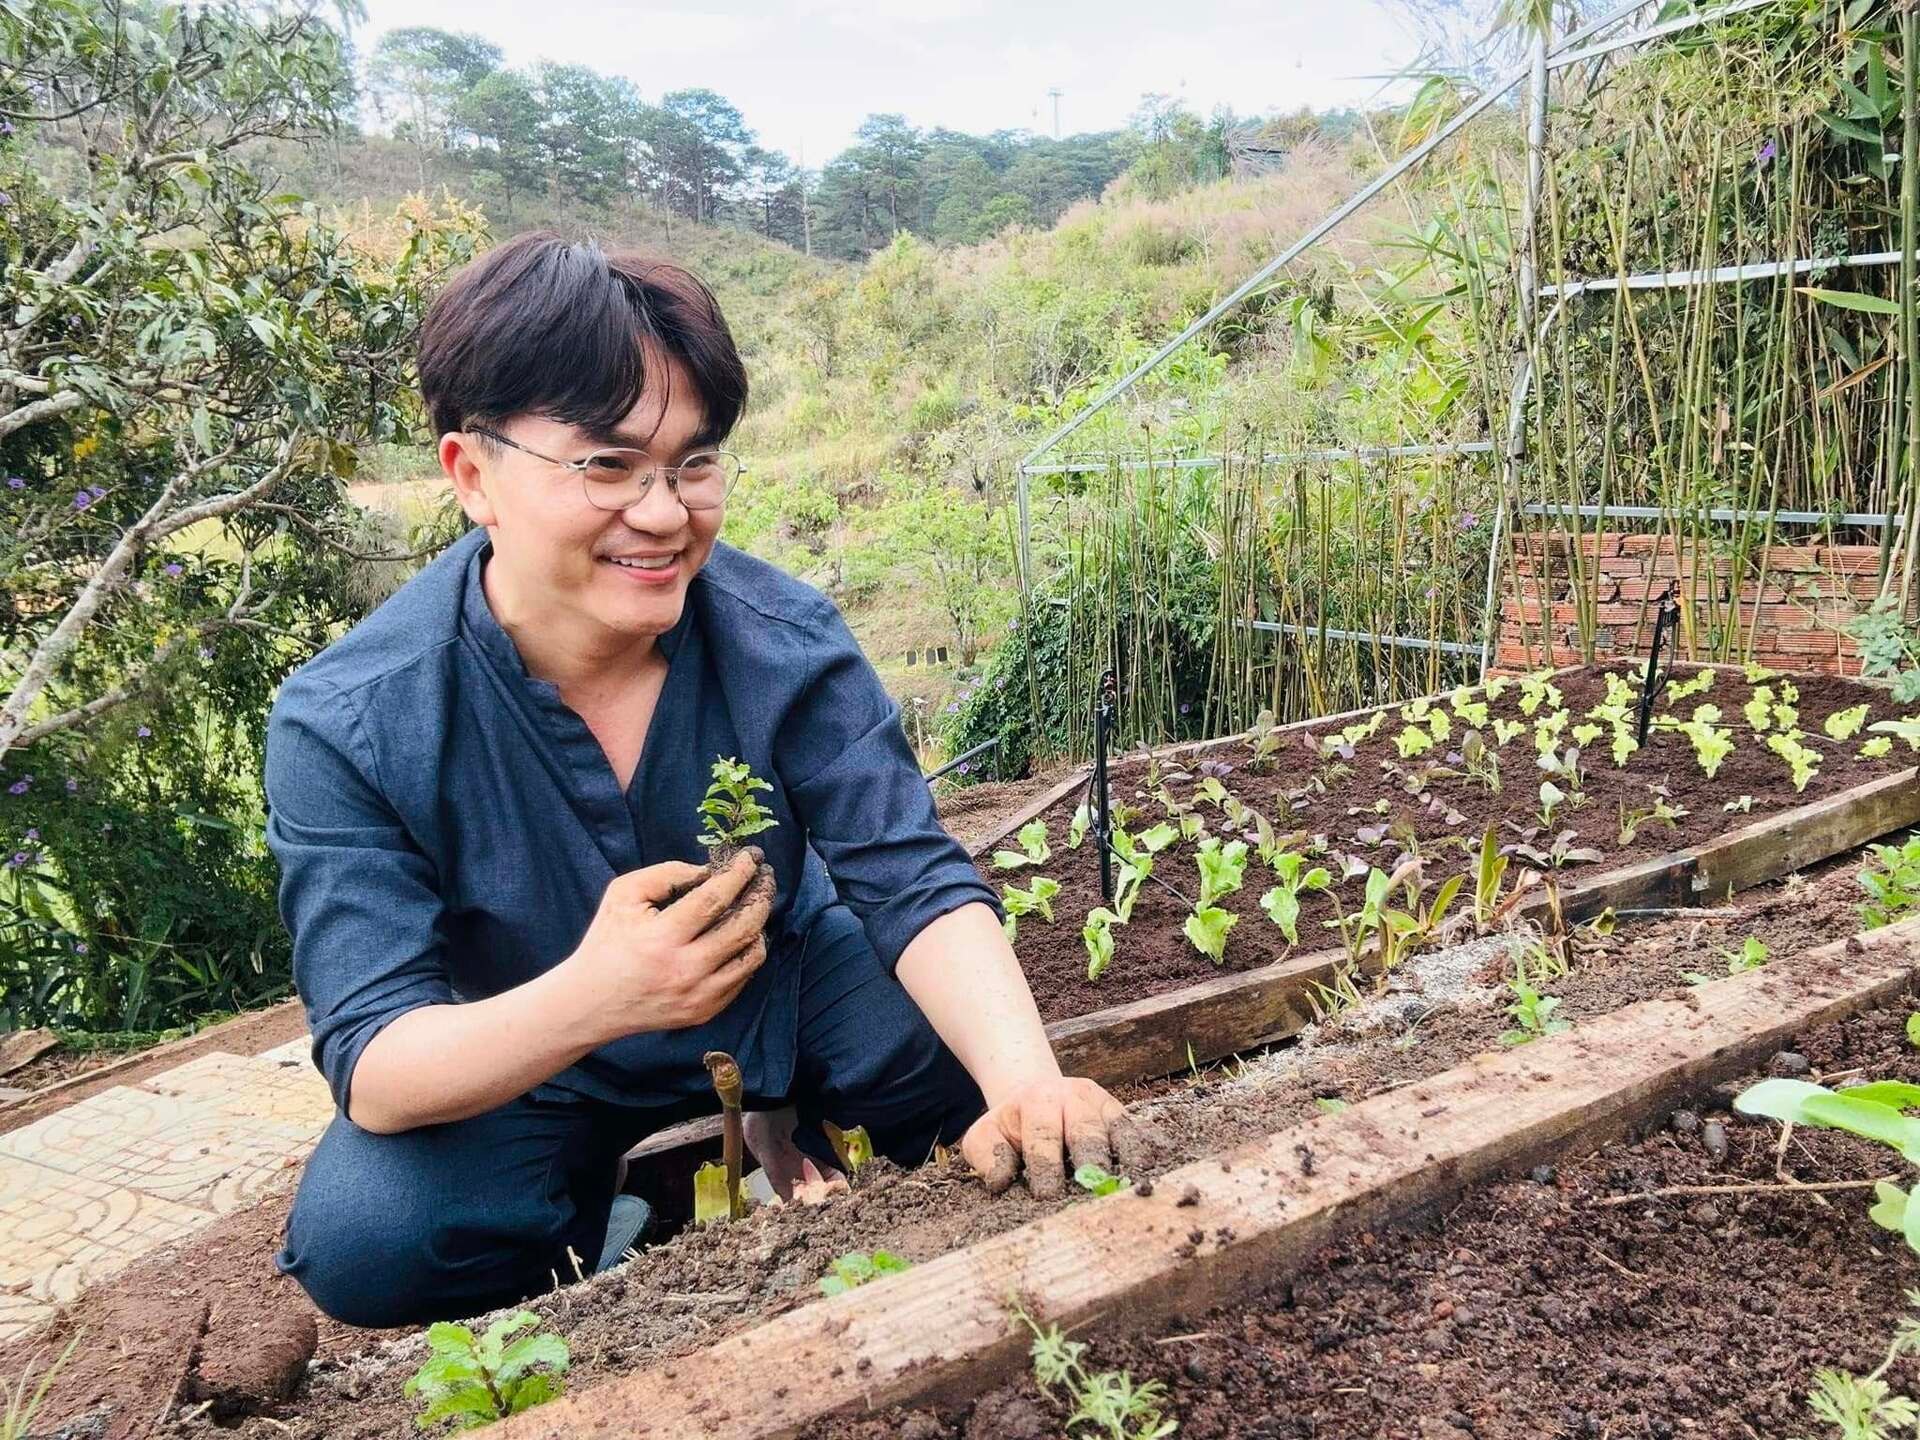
column 357, row 895
column 854, row 784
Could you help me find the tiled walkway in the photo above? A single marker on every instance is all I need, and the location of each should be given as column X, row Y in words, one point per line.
column 86, row 1191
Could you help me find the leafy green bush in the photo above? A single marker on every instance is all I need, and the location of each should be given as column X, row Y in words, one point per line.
column 473, row 1381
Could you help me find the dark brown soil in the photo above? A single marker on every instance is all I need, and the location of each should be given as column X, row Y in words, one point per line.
column 1536, row 1308
column 1152, row 956
column 705, row 1284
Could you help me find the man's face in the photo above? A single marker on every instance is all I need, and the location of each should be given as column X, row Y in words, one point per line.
column 621, row 572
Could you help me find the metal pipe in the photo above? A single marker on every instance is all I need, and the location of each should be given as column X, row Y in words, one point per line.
column 1681, row 279
column 1651, row 512
column 1089, row 466
column 1404, row 642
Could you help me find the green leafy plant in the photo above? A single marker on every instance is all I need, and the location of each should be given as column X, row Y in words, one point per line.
column 1223, row 868
column 1803, row 760
column 1265, row 736
column 1487, row 877
column 474, row 1381
column 1876, row 748
column 1552, row 797
column 1661, row 812
column 1891, row 879
column 1207, row 928
column 1889, row 646
column 1536, row 689
column 1106, row 1404
column 1531, row 1011
column 1034, row 849
column 1711, row 743
column 1036, row 899
column 731, row 810
column 1680, row 690
column 1472, row 713
column 1864, row 1407
column 1098, row 935
column 1751, row 955
column 1282, row 902
column 1907, row 728
column 1560, row 852
column 1874, row 1111
column 1078, row 826
column 1845, row 724
column 1412, row 741
column 1759, row 708
column 1095, row 1180
column 1506, row 731
column 857, row 1268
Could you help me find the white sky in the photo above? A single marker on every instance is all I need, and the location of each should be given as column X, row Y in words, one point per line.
column 805, row 73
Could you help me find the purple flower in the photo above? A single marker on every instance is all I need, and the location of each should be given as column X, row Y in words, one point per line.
column 33, row 832
column 206, row 652
column 1767, row 152
column 81, row 500
column 1014, row 624
column 72, row 786
column 1184, row 708
column 98, row 492
column 953, row 707
column 965, row 766
column 6, row 127
column 1432, row 590
column 5, row 198
column 20, row 857
column 21, row 786
column 79, row 947
column 174, row 568
column 15, row 482
column 1469, row 521
column 143, row 732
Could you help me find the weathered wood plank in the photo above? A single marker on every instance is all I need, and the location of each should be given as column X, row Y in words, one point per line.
column 1220, row 1228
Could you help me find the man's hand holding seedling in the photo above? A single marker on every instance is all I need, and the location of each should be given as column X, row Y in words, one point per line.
column 670, row 946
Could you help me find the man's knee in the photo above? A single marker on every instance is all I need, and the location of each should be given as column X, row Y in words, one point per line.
column 384, row 1232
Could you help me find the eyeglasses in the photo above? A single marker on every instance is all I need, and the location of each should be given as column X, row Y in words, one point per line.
column 619, row 477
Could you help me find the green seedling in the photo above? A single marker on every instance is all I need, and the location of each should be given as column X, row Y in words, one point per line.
column 1680, row 689
column 1907, row 729
column 1136, row 864
column 1159, row 837
column 1874, row 1111
column 1560, row 852
column 1472, row 713
column 1588, row 732
column 1548, row 729
column 1036, row 899
column 1330, row 1104
column 1480, row 762
column 731, row 811
column 1207, row 928
column 1751, row 955
column 1759, row 709
column 1487, row 877
column 1744, row 805
column 1803, row 759
column 1711, row 743
column 1265, row 735
column 1107, row 1404
column 1078, row 826
column 1564, row 767
column 1537, row 688
column 1282, row 902
column 1098, row 935
column 1876, row 748
column 852, row 1148
column 856, row 1268
column 1330, row 1001
column 473, row 1381
column 1864, row 1407
column 1659, row 813
column 1506, row 731
column 1532, row 1012
column 1891, row 879
column 1552, row 797
column 1034, row 849
column 1412, row 741
column 1095, row 1180
column 1439, row 726
column 1222, row 867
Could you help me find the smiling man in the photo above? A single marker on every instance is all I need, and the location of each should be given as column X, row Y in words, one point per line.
column 484, row 799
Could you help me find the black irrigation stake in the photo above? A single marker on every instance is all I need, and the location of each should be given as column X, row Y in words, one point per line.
column 1667, row 619
column 1102, row 801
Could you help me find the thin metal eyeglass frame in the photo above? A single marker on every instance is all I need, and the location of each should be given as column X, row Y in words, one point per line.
column 579, row 467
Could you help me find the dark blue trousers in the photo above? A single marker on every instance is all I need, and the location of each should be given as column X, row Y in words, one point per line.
column 448, row 1221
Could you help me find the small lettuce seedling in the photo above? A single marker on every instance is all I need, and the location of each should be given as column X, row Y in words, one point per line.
column 1751, row 955
column 1207, row 928
column 1095, row 1180
column 1282, row 902
column 732, row 812
column 1804, row 760
column 1845, row 724
column 1506, row 731
column 1033, row 850
column 1077, row 827
column 1098, row 935
column 856, row 1268
column 1036, row 899
column 1532, row 1012
column 473, row 1381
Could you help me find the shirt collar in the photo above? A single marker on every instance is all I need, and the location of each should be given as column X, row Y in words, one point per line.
column 498, row 645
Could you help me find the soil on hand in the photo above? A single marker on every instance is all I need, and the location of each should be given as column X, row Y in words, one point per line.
column 1340, row 808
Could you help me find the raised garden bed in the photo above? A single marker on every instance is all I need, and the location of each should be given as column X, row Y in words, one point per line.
column 1216, row 1232
column 707, row 1284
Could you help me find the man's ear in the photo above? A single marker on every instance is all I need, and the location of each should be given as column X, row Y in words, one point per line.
column 463, row 462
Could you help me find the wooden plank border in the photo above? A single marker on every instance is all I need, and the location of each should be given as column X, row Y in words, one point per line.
column 1220, row 1228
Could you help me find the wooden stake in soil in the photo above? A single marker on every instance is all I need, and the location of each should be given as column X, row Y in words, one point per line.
column 1217, row 1229
column 730, row 1086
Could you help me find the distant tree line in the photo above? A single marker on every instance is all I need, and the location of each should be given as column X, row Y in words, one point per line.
column 553, row 132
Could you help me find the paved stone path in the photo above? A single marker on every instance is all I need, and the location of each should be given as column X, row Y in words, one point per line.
column 88, row 1190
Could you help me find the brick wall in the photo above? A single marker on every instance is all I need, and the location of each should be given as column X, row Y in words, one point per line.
column 1791, row 599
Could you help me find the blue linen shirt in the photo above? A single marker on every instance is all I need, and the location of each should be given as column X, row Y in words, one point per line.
column 446, row 825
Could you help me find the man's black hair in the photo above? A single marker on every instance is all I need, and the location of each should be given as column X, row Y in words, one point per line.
column 544, row 326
